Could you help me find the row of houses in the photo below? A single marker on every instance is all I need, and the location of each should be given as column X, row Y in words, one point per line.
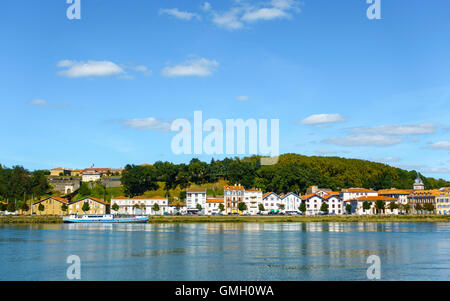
column 359, row 201
column 87, row 174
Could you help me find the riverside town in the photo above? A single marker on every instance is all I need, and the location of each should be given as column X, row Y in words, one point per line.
column 216, row 189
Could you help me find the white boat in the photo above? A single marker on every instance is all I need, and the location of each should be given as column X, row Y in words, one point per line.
column 104, row 218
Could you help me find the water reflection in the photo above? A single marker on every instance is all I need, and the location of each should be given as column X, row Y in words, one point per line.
column 226, row 251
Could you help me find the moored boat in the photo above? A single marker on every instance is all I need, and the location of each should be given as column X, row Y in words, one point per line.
column 104, row 218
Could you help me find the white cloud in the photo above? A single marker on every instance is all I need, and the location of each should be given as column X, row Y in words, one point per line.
column 150, row 123
column 365, row 140
column 413, row 129
column 243, row 98
column 38, row 102
column 182, row 15
column 440, row 145
column 322, row 119
column 76, row 69
column 206, row 6
column 228, row 20
column 410, row 166
column 264, row 14
column 198, row 67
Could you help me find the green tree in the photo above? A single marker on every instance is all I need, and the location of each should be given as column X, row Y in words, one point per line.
column 138, row 179
column 261, row 207
column 393, row 205
column 85, row 207
column 24, row 207
column 11, row 207
column 407, row 207
column 156, row 207
column 366, row 205
column 41, row 207
column 324, row 207
column 3, row 206
column 242, row 206
column 302, row 207
column 281, row 207
column 199, row 207
column 348, row 208
column 221, row 208
column 418, row 207
column 429, row 207
column 115, row 207
column 64, row 208
column 380, row 205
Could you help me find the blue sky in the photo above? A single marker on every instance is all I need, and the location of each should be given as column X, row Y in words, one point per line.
column 104, row 88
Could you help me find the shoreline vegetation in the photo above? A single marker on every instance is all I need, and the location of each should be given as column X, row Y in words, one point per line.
column 251, row 219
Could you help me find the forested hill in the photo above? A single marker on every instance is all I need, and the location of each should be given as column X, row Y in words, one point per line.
column 293, row 172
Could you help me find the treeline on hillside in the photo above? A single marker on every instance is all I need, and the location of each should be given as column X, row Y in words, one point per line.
column 292, row 173
column 18, row 184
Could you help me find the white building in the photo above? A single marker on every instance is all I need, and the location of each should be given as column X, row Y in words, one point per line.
column 213, row 206
column 401, row 195
column 195, row 197
column 140, row 205
column 291, row 202
column 335, row 203
column 90, row 176
column 313, row 203
column 252, row 199
column 353, row 193
column 172, row 208
column 271, row 202
column 358, row 205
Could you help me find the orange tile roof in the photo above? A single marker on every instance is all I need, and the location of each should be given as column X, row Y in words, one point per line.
column 235, row 187
column 307, row 196
column 254, row 189
column 269, row 193
column 120, row 198
column 214, row 200
column 94, row 199
column 353, row 190
column 394, row 191
column 434, row 192
column 373, row 198
column 62, row 200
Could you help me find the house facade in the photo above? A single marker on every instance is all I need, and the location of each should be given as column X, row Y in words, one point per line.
column 358, row 205
column 353, row 193
column 50, row 206
column 213, row 205
column 96, row 206
column 252, row 199
column 140, row 205
column 291, row 202
column 271, row 202
column 195, row 197
column 233, row 195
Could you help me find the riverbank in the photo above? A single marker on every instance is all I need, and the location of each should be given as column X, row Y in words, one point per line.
column 249, row 219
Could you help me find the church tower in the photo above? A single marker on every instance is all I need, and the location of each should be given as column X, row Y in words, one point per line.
column 418, row 183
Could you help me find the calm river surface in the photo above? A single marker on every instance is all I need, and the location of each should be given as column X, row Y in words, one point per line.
column 282, row 251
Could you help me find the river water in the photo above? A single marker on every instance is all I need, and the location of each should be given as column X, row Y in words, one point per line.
column 222, row 251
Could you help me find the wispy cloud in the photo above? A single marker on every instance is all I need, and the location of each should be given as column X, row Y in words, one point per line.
column 77, row 69
column 182, row 15
column 148, row 124
column 320, row 119
column 196, row 67
column 440, row 145
column 38, row 102
column 43, row 103
column 437, row 170
column 412, row 129
column 325, row 152
column 243, row 98
column 364, row 140
column 241, row 13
